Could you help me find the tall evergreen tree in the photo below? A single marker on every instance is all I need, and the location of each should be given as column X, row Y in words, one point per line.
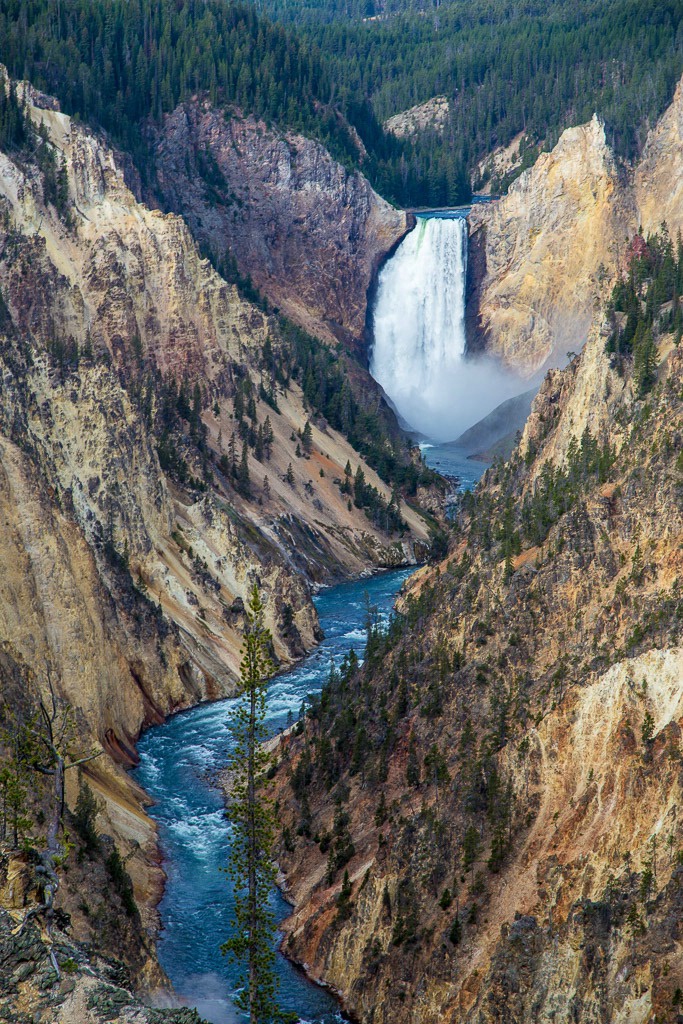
column 307, row 437
column 251, row 866
column 243, row 477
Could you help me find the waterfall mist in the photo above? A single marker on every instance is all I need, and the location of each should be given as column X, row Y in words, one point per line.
column 419, row 335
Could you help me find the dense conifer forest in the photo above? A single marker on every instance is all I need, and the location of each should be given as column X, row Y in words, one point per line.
column 117, row 64
column 534, row 67
column 325, row 68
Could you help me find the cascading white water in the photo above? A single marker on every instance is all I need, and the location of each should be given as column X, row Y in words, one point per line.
column 419, row 324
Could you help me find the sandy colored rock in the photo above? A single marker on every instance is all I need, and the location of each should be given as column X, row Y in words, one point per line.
column 659, row 175
column 545, row 255
column 430, row 115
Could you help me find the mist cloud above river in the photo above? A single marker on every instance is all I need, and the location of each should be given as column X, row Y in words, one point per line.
column 209, row 994
column 457, row 399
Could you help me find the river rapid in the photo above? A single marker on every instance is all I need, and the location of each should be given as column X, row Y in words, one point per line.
column 179, row 763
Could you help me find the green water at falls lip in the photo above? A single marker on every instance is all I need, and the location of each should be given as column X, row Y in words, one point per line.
column 179, row 761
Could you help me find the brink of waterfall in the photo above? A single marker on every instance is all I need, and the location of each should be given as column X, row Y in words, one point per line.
column 418, row 354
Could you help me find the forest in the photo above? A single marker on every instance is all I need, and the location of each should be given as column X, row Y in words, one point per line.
column 118, row 64
column 324, row 70
column 534, row 67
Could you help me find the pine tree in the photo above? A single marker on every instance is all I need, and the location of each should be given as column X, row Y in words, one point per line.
column 644, row 361
column 196, row 412
column 13, row 791
column 359, row 487
column 344, row 908
column 413, row 765
column 232, row 453
column 455, row 934
column 470, row 848
column 268, row 436
column 258, row 444
column 251, row 866
column 307, row 437
column 243, row 472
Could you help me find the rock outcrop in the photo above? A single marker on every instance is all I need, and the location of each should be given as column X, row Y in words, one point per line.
column 545, row 255
column 659, row 174
column 309, row 233
column 93, row 988
column 425, row 116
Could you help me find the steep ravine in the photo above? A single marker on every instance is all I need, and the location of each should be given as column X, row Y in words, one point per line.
column 181, row 763
column 129, row 540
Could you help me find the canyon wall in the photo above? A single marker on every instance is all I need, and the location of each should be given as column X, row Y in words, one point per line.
column 546, row 253
column 309, row 233
column 501, row 781
column 545, row 256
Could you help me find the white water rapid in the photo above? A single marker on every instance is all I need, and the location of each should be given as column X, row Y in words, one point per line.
column 418, row 354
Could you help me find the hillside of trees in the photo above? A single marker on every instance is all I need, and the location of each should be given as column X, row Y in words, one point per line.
column 322, row 67
column 117, row 63
column 534, row 67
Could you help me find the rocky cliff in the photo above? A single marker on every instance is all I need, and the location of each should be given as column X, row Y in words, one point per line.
column 658, row 188
column 432, row 115
column 483, row 822
column 546, row 253
column 545, row 256
column 92, row 989
column 309, row 233
column 140, row 501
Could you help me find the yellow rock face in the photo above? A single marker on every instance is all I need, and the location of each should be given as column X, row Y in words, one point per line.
column 659, row 175
column 550, row 249
column 545, row 256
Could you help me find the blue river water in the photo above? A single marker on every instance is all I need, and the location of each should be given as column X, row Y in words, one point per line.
column 453, row 463
column 178, row 765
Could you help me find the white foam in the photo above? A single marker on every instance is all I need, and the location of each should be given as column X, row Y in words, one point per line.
column 419, row 345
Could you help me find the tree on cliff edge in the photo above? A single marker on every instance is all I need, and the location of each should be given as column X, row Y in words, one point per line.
column 251, row 866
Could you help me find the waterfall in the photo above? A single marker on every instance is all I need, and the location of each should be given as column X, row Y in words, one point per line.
column 419, row 325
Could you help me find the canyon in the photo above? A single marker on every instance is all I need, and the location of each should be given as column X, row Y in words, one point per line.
column 521, row 719
column 129, row 544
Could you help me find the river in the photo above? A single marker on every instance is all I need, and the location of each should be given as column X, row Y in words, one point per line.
column 179, row 761
column 453, row 463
